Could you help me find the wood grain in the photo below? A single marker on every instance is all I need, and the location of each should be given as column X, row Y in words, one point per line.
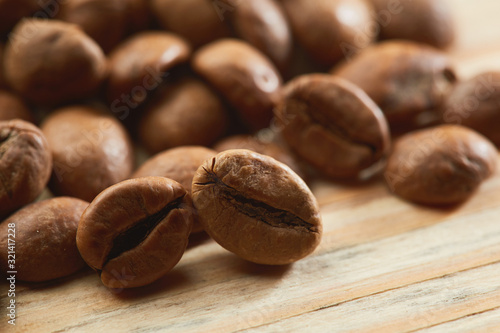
column 384, row 265
column 408, row 308
column 213, row 288
column 482, row 322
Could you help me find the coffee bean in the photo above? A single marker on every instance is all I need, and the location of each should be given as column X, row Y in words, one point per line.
column 136, row 231
column 90, row 148
column 50, row 62
column 408, row 81
column 424, row 21
column 256, row 207
column 333, row 125
column 139, row 65
column 475, row 103
column 187, row 112
column 442, row 165
column 25, row 164
column 13, row 107
column 94, row 17
column 330, row 29
column 244, row 76
column 279, row 152
column 179, row 164
column 45, row 239
column 199, row 21
column 263, row 24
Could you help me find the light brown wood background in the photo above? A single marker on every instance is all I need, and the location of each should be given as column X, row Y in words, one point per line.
column 383, row 265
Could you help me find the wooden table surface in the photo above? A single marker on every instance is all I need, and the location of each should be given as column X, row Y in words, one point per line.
column 383, row 265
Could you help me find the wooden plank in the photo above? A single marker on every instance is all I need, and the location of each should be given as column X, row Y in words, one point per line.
column 476, row 47
column 475, row 23
column 376, row 251
column 405, row 309
column 379, row 214
column 214, row 291
column 468, row 68
column 483, row 322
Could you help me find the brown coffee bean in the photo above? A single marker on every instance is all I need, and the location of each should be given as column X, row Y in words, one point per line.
column 256, row 207
column 424, row 21
column 330, row 29
column 269, row 148
column 333, row 125
column 136, row 231
column 408, row 81
column 94, row 17
column 139, row 65
column 187, row 112
column 198, row 21
column 13, row 11
column 443, row 165
column 25, row 164
column 45, row 239
column 475, row 103
column 179, row 164
column 50, row 62
column 91, row 151
column 263, row 24
column 12, row 107
column 244, row 76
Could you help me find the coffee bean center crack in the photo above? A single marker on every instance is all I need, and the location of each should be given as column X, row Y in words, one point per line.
column 4, row 142
column 274, row 217
column 317, row 117
column 137, row 233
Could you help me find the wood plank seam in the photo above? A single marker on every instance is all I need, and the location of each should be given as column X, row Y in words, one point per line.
column 382, row 292
column 326, row 241
column 453, row 320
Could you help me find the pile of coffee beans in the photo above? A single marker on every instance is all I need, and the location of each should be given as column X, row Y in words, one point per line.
column 147, row 121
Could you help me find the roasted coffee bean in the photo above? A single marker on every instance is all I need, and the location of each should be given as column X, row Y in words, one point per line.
column 333, row 125
column 139, row 65
column 330, row 29
column 136, row 231
column 263, row 24
column 424, row 21
column 179, row 164
column 408, row 81
column 475, row 103
column 94, row 17
column 244, row 76
column 257, row 207
column 90, row 148
column 442, row 165
column 186, row 112
column 12, row 107
column 199, row 21
column 269, row 148
column 25, row 164
column 44, row 237
column 50, row 62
